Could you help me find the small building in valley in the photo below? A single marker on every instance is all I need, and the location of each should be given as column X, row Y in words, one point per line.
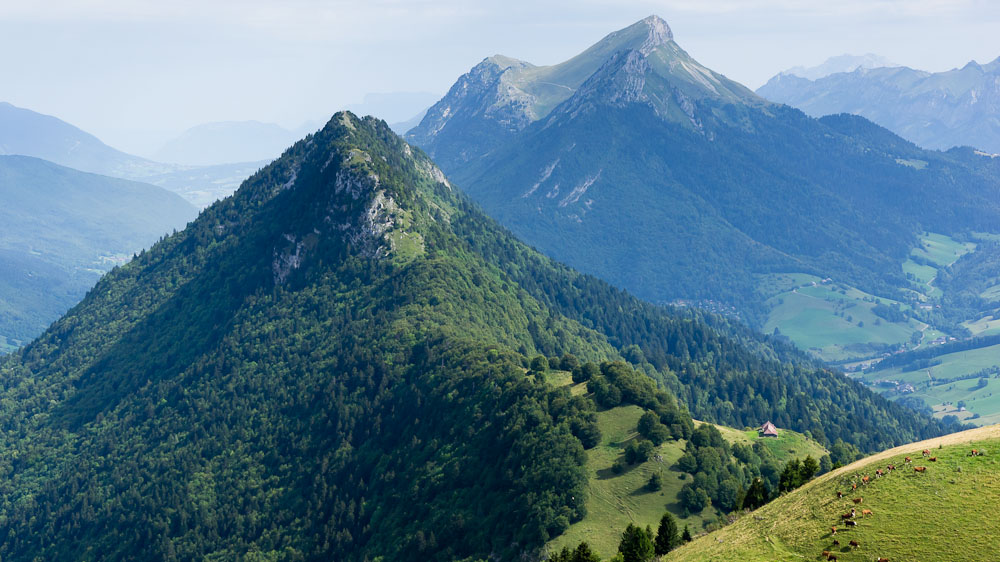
column 768, row 430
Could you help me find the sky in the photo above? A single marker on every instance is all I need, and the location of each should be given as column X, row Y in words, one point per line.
column 138, row 72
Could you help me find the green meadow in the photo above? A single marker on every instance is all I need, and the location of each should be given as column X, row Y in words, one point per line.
column 615, row 500
column 944, row 513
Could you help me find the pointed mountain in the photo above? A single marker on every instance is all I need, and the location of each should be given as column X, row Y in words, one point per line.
column 667, row 179
column 331, row 365
column 501, row 96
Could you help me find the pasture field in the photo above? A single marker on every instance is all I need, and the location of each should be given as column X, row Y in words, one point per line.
column 985, row 326
column 786, row 446
column 615, row 500
column 831, row 321
column 942, row 249
column 943, row 396
column 945, row 513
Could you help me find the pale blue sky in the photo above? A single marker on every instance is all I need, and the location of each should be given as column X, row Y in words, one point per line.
column 134, row 70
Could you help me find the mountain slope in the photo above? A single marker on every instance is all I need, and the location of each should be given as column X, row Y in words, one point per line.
column 915, row 516
column 61, row 229
column 668, row 179
column 959, row 107
column 331, row 365
column 42, row 136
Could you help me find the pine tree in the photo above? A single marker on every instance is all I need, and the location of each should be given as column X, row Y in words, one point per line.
column 666, row 535
column 583, row 553
column 686, row 535
column 636, row 544
column 756, row 496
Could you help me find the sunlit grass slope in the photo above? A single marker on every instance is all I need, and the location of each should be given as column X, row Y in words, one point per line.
column 945, row 513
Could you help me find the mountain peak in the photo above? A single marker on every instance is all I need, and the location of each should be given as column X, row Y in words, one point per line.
column 659, row 33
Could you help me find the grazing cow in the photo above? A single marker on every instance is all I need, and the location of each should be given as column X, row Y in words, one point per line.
column 858, row 500
column 865, row 479
column 833, row 530
column 975, row 453
column 891, row 467
column 836, row 542
column 846, row 516
column 854, row 486
column 933, row 459
column 852, row 523
column 926, row 453
column 919, row 469
column 878, row 473
column 854, row 544
column 825, row 553
column 883, row 560
column 907, row 460
column 840, row 495
column 866, row 512
column 831, row 557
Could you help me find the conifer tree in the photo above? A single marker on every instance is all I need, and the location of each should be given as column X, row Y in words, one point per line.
column 666, row 535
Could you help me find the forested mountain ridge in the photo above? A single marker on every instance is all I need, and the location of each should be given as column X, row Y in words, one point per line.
column 331, row 365
column 716, row 186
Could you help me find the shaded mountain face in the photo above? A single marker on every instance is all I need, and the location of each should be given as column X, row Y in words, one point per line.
column 959, row 107
column 674, row 182
column 60, row 229
column 331, row 365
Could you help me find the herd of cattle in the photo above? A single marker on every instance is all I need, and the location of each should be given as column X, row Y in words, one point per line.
column 848, row 519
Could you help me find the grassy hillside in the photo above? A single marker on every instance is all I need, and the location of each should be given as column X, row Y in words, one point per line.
column 935, row 515
column 615, row 500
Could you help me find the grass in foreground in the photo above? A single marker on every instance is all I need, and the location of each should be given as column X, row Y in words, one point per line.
column 946, row 513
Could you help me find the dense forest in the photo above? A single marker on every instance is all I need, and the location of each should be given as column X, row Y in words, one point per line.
column 334, row 364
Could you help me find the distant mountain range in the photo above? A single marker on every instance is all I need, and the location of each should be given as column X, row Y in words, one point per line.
column 29, row 133
column 60, row 229
column 959, row 107
column 840, row 63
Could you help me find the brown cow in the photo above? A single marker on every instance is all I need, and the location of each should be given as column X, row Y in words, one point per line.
column 825, row 553
column 926, row 453
column 852, row 523
column 854, row 486
column 833, row 530
column 854, row 544
column 831, row 557
column 883, row 560
column 878, row 473
column 907, row 460
column 865, row 479
column 866, row 512
column 858, row 500
column 975, row 453
column 933, row 459
column 840, row 495
column 919, row 469
column 891, row 467
column 846, row 516
column 836, row 542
